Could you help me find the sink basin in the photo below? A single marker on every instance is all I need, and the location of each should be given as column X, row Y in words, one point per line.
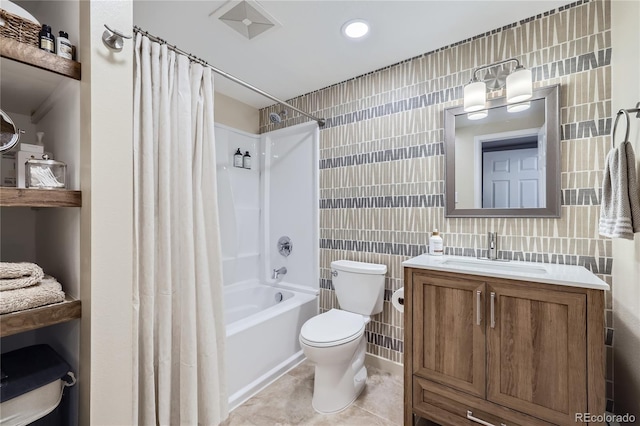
column 492, row 265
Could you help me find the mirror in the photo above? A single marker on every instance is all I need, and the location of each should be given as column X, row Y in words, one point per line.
column 9, row 135
column 506, row 164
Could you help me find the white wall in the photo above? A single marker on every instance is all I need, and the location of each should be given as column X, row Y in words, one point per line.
column 625, row 65
column 239, row 203
column 290, row 188
column 58, row 14
column 107, row 341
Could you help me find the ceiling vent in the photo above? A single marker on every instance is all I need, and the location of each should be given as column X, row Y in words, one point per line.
column 246, row 17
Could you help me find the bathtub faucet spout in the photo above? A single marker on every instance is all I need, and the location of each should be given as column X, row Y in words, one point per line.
column 277, row 272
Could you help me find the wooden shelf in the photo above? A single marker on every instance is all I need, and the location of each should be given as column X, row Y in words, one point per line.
column 31, row 319
column 31, row 77
column 31, row 55
column 21, row 197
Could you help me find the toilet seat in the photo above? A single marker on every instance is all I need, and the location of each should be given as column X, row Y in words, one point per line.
column 332, row 328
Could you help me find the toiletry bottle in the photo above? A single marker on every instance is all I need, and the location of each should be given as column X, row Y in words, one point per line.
column 47, row 42
column 435, row 244
column 237, row 158
column 63, row 46
column 246, row 160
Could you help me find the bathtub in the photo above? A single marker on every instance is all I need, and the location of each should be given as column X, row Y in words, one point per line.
column 263, row 324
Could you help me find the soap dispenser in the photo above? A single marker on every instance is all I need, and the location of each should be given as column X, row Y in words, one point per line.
column 436, row 247
column 246, row 160
column 237, row 159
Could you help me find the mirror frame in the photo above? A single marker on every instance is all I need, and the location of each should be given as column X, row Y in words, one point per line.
column 551, row 96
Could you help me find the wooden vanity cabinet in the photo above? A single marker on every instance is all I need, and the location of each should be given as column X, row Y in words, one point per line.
column 482, row 349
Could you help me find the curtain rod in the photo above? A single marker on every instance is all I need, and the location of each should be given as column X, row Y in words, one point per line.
column 194, row 58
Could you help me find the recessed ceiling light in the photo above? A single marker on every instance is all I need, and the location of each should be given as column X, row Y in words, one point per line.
column 356, row 28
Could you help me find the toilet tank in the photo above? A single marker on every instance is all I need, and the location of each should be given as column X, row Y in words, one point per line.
column 359, row 286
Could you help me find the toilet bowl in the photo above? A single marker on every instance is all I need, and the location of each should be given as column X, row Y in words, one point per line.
column 335, row 342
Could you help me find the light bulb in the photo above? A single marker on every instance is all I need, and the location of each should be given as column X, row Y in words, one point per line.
column 356, row 28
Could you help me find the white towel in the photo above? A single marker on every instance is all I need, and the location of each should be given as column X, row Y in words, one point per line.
column 19, row 275
column 620, row 205
column 47, row 292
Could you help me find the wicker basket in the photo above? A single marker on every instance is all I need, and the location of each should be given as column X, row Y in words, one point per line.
column 19, row 29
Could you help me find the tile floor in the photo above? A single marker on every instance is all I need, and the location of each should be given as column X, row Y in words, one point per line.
column 287, row 401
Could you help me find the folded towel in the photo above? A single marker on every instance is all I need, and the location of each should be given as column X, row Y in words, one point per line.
column 19, row 275
column 47, row 292
column 620, row 205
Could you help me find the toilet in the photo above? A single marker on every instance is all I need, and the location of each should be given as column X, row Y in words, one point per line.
column 334, row 341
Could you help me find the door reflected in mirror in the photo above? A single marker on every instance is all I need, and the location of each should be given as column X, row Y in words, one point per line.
column 503, row 155
column 506, row 163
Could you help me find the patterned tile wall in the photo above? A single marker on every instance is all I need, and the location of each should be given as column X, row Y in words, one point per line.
column 382, row 157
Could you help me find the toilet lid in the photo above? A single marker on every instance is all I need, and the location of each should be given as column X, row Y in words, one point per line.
column 332, row 328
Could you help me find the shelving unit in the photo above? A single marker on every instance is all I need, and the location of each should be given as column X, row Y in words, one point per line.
column 21, row 197
column 31, row 77
column 32, row 82
column 31, row 319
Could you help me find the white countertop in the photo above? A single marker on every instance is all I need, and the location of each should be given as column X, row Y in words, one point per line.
column 547, row 273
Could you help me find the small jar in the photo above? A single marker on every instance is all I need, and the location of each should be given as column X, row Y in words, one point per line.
column 45, row 173
column 47, row 41
column 63, row 46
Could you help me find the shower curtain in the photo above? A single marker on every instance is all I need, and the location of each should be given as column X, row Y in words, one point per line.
column 178, row 326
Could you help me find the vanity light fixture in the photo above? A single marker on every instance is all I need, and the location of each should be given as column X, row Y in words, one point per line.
column 519, row 87
column 475, row 96
column 355, row 28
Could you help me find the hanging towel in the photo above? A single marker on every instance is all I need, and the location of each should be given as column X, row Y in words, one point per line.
column 48, row 291
column 19, row 275
column 620, row 205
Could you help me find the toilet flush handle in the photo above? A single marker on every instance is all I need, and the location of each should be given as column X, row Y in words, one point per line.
column 334, row 273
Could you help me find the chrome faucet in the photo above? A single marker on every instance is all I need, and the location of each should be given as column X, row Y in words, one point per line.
column 277, row 272
column 492, row 245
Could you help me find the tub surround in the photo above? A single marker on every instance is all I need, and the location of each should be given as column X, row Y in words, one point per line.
column 258, row 206
column 546, row 273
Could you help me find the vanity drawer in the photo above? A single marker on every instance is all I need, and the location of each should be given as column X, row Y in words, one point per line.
column 449, row 407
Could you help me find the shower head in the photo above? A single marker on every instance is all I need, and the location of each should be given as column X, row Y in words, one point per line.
column 277, row 117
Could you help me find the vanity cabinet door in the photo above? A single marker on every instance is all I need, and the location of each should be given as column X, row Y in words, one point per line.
column 537, row 351
column 449, row 331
